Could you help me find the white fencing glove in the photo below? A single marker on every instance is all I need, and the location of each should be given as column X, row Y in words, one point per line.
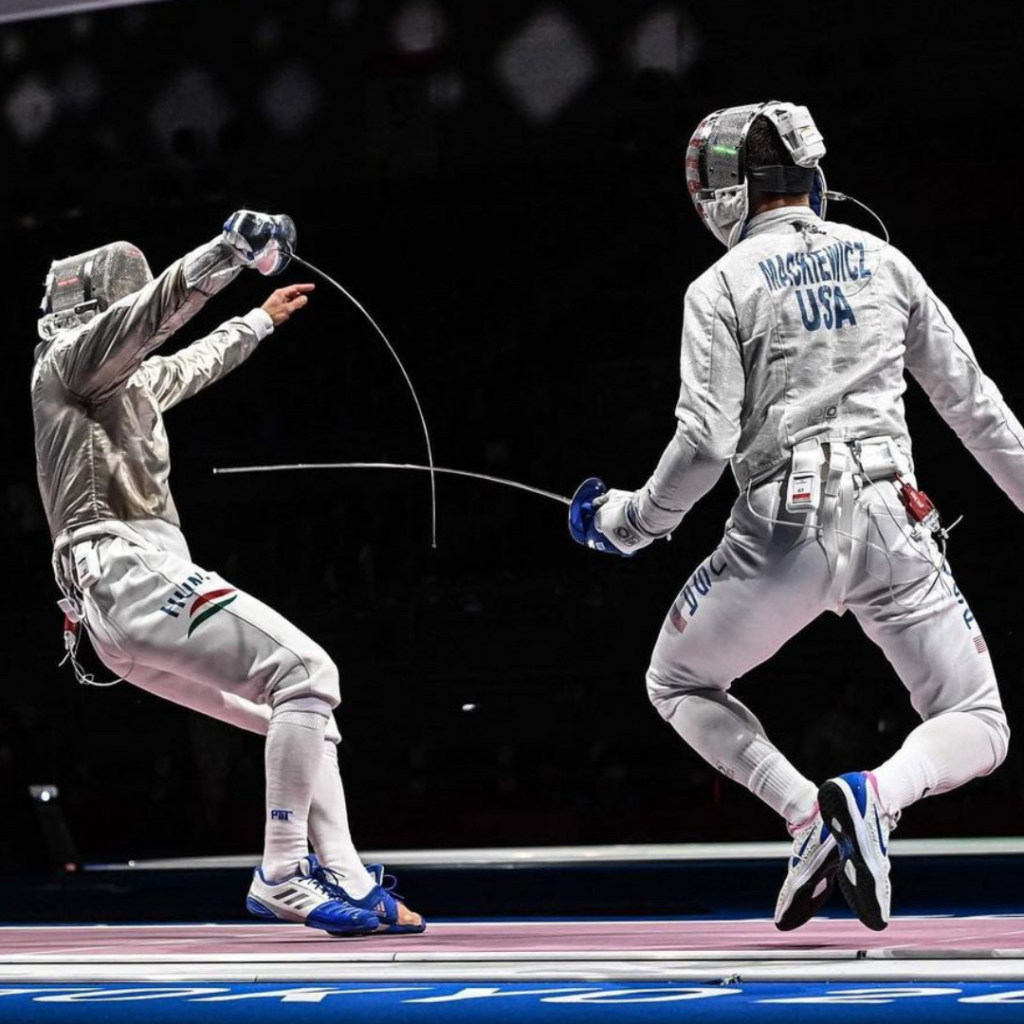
column 605, row 520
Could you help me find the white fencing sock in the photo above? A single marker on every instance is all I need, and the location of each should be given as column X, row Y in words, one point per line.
column 328, row 827
column 941, row 754
column 729, row 737
column 294, row 751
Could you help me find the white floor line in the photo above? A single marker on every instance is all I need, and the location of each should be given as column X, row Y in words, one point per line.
column 263, row 930
column 361, row 956
column 709, row 972
column 603, row 854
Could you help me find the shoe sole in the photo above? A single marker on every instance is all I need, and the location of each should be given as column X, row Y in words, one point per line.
column 257, row 909
column 403, row 929
column 805, row 904
column 339, row 934
column 264, row 912
column 388, row 929
column 847, row 826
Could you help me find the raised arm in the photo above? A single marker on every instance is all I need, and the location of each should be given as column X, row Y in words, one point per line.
column 97, row 360
column 943, row 363
column 177, row 377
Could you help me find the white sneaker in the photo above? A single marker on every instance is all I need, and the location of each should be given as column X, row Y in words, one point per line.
column 811, row 876
column 853, row 810
column 305, row 899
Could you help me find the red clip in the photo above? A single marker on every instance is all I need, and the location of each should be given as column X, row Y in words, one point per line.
column 920, row 507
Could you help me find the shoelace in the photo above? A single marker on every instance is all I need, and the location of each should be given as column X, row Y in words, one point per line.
column 323, row 885
column 388, row 883
column 331, row 881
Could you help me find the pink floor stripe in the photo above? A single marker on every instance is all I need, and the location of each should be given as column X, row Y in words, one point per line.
column 129, row 942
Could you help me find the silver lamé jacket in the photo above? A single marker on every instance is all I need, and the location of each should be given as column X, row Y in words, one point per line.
column 804, row 330
column 98, row 395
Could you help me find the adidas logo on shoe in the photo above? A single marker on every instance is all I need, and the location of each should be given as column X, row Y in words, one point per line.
column 303, row 898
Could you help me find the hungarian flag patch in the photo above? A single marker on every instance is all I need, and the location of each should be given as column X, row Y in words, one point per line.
column 207, row 605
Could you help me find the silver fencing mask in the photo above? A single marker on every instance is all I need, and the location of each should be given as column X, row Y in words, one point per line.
column 719, row 177
column 79, row 287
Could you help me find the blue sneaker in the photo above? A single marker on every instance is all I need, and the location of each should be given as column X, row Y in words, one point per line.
column 395, row 917
column 303, row 898
column 812, row 874
column 852, row 808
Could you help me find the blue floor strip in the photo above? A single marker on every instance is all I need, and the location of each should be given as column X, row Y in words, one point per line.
column 499, row 1003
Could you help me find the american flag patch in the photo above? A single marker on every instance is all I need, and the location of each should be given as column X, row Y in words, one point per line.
column 677, row 620
column 979, row 644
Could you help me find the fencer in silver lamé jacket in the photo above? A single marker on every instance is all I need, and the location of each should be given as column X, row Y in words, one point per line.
column 803, row 330
column 98, row 395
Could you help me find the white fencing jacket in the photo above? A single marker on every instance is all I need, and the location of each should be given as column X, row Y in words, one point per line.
column 804, row 330
column 99, row 394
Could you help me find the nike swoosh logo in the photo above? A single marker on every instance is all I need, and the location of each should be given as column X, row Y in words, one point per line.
column 881, row 835
column 800, row 852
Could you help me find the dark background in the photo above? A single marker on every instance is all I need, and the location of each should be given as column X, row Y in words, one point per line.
column 526, row 251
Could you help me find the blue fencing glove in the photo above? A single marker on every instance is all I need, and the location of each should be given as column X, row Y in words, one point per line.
column 605, row 520
column 262, row 240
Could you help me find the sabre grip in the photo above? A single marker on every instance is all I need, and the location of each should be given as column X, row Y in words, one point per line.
column 603, row 520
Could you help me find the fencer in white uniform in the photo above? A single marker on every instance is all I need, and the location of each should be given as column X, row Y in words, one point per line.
column 155, row 617
column 794, row 348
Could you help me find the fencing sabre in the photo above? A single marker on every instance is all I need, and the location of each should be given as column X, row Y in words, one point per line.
column 561, row 498
column 430, row 468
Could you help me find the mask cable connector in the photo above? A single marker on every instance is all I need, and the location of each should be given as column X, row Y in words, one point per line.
column 841, row 197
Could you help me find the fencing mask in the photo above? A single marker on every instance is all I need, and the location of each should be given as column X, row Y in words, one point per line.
column 719, row 176
column 80, row 287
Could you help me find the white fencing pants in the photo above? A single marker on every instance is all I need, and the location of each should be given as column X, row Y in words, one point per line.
column 183, row 633
column 153, row 614
column 767, row 580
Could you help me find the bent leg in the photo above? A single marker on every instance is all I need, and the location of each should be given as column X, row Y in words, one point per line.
column 727, row 734
column 328, row 817
column 205, row 698
column 178, row 630
column 928, row 632
column 153, row 610
column 761, row 586
column 943, row 753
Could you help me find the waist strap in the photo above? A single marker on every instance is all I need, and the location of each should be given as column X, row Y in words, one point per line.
column 875, row 458
column 106, row 528
column 879, row 458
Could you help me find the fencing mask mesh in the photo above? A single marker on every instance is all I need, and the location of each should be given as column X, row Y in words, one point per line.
column 718, row 176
